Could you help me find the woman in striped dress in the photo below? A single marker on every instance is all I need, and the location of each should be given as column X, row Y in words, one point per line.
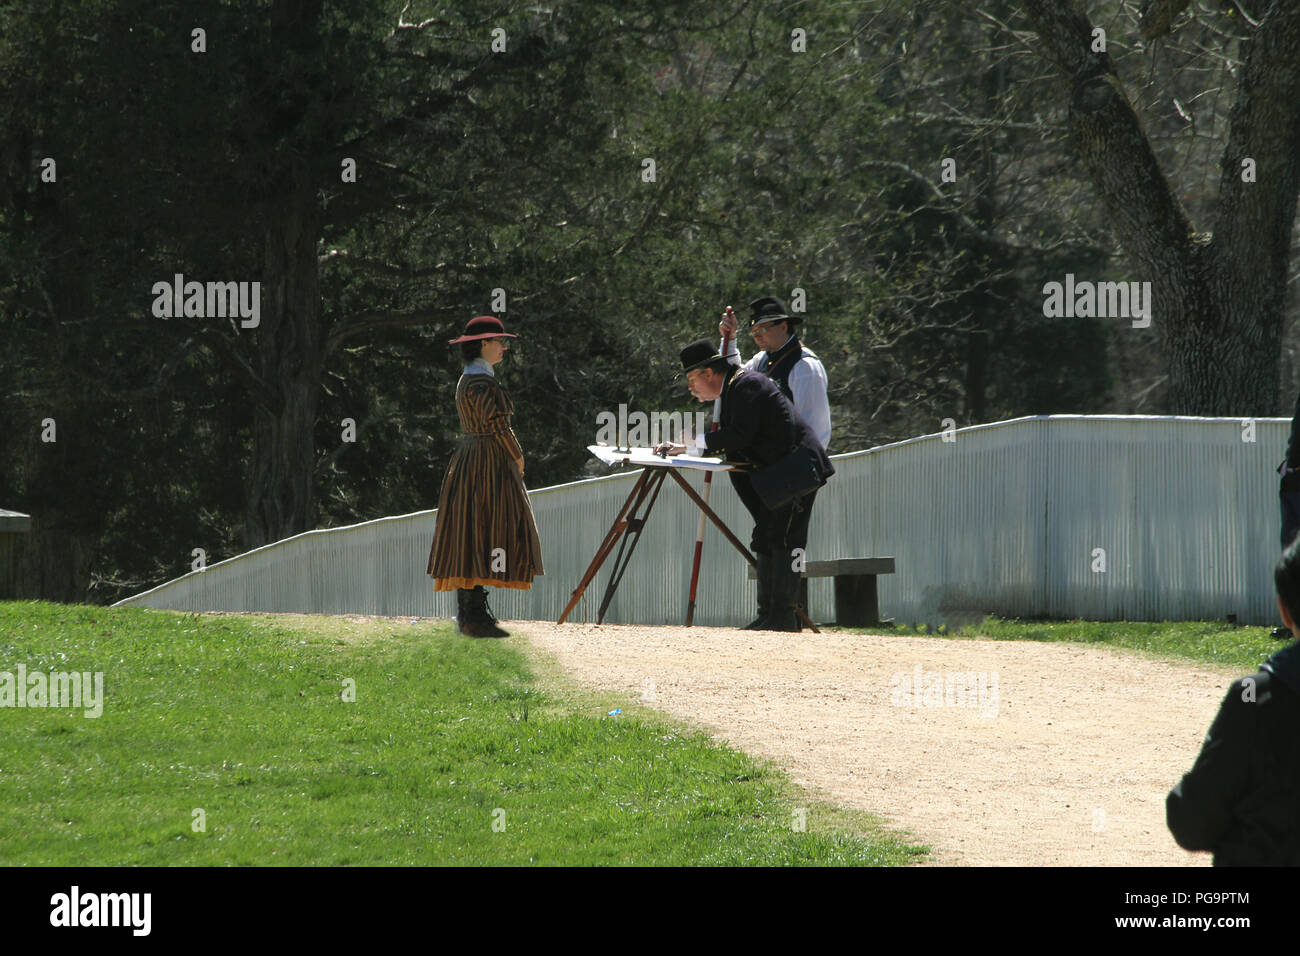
column 485, row 532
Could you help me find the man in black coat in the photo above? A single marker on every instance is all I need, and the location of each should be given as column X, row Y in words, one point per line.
column 1241, row 799
column 759, row 426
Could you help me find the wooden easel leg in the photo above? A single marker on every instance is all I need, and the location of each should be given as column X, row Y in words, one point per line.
column 615, row 531
column 631, row 538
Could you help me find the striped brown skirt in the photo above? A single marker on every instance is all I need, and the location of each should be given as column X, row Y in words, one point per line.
column 485, row 532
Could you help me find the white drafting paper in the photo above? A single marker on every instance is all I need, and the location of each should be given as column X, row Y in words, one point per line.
column 646, row 458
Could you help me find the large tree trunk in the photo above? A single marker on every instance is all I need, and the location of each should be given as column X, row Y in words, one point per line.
column 55, row 556
column 1219, row 298
column 289, row 352
column 985, row 307
column 67, row 507
column 1223, row 346
column 290, row 359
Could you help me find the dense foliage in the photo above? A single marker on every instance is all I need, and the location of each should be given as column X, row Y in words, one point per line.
column 619, row 171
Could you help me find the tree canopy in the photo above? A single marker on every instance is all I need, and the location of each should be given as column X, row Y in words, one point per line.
column 606, row 177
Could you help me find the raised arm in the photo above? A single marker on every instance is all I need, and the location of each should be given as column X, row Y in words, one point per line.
column 730, row 324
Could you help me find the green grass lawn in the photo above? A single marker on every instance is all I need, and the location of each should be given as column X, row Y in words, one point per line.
column 1206, row 642
column 451, row 753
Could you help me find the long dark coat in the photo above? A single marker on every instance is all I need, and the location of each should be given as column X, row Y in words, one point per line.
column 759, row 424
column 484, row 518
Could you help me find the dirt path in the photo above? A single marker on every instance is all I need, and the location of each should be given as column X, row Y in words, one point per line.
column 1065, row 760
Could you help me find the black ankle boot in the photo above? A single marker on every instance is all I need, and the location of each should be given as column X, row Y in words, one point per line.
column 785, row 594
column 463, row 598
column 764, row 574
column 482, row 623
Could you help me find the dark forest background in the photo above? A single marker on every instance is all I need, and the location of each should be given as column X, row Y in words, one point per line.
column 796, row 146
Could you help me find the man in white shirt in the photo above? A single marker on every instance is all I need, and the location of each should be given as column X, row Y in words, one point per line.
column 795, row 369
column 799, row 374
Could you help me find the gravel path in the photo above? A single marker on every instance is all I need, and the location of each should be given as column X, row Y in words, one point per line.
column 1059, row 754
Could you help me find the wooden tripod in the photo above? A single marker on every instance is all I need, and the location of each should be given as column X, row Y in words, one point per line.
column 626, row 533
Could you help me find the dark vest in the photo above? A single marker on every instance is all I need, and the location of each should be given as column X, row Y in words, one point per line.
column 779, row 364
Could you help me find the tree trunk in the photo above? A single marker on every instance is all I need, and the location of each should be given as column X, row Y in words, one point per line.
column 55, row 556
column 1224, row 343
column 67, row 507
column 1218, row 298
column 289, row 351
column 290, row 360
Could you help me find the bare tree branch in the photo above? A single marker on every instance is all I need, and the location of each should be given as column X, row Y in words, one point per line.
column 366, row 321
column 385, row 268
column 1146, row 215
column 1264, row 127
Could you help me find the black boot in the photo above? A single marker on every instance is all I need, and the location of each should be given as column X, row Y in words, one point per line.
column 764, row 574
column 785, row 594
column 481, row 621
column 463, row 598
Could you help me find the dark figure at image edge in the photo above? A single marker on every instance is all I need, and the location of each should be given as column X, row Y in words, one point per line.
column 1289, row 494
column 484, row 516
column 1241, row 799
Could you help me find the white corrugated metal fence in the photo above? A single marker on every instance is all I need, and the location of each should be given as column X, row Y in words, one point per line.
column 1016, row 518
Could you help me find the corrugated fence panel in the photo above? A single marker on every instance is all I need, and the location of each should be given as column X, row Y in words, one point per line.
column 962, row 518
column 1184, row 509
column 1005, row 518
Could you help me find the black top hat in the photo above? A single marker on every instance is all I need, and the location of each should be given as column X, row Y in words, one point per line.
column 484, row 327
column 769, row 309
column 699, row 354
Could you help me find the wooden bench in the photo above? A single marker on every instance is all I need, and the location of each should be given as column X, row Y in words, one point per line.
column 857, row 603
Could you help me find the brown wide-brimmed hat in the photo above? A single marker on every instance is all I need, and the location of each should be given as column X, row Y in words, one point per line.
column 483, row 327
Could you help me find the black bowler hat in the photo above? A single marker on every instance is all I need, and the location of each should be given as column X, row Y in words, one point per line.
column 699, row 354
column 769, row 309
column 484, row 327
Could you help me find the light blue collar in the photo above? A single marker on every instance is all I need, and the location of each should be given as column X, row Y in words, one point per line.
column 480, row 366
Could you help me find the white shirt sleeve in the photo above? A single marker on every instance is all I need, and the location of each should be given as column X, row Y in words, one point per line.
column 734, row 349
column 808, row 385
